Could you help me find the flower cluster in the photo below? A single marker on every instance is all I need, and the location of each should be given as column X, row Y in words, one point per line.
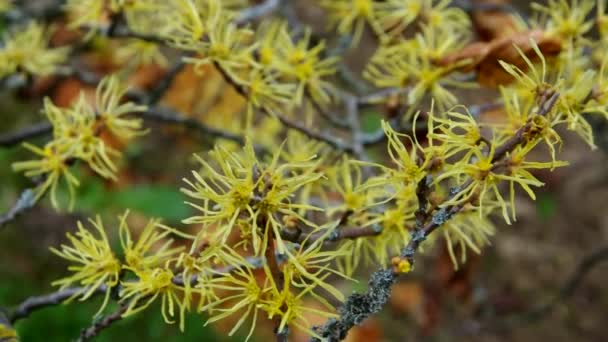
column 96, row 267
column 78, row 136
column 26, row 50
column 288, row 218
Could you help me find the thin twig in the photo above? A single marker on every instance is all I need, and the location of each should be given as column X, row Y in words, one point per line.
column 252, row 262
column 360, row 306
column 256, row 12
column 545, row 107
column 26, row 201
column 336, row 143
column 165, row 83
column 381, row 95
column 329, row 117
column 354, row 123
column 99, row 325
column 30, row 132
column 310, row 132
column 32, row 304
column 167, row 115
column 349, row 233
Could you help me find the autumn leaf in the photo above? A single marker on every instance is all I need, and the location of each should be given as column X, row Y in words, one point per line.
column 491, row 24
column 484, row 57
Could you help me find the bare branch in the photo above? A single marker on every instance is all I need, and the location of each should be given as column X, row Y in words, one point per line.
column 32, row 304
column 255, row 12
column 30, row 132
column 169, row 116
column 287, row 122
column 26, row 201
column 99, row 325
column 360, row 306
column 164, row 84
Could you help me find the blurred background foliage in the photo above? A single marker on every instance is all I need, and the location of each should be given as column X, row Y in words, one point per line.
column 523, row 268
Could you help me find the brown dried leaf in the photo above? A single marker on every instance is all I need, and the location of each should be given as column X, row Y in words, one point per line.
column 493, row 24
column 484, row 57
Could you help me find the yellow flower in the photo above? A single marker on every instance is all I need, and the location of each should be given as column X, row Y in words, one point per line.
column 399, row 14
column 289, row 305
column 412, row 63
column 350, row 17
column 408, row 169
column 308, row 263
column 85, row 12
column 136, row 52
column 395, row 221
column 149, row 285
column 76, row 136
column 244, row 293
column 467, row 230
column 534, row 81
column 142, row 254
column 185, row 23
column 485, row 175
column 241, row 187
column 347, row 179
column 93, row 262
column 270, row 37
column 112, row 113
column 8, row 334
column 225, row 45
column 51, row 167
column 84, row 140
column 265, row 90
column 456, row 132
column 306, row 66
column 566, row 19
column 26, row 49
column 440, row 13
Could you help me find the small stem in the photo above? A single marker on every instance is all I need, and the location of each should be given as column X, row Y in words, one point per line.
column 97, row 327
column 39, row 302
column 298, row 126
column 30, row 132
column 26, row 201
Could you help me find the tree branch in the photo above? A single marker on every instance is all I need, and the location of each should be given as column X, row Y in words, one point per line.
column 30, row 132
column 336, row 143
column 256, row 12
column 360, row 306
column 169, row 116
column 32, row 304
column 26, row 201
column 98, row 326
column 165, row 83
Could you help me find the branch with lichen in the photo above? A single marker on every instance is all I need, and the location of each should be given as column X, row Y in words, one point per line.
column 358, row 307
column 294, row 204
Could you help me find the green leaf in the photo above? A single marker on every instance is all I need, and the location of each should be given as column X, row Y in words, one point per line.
column 546, row 206
column 160, row 201
column 371, row 121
